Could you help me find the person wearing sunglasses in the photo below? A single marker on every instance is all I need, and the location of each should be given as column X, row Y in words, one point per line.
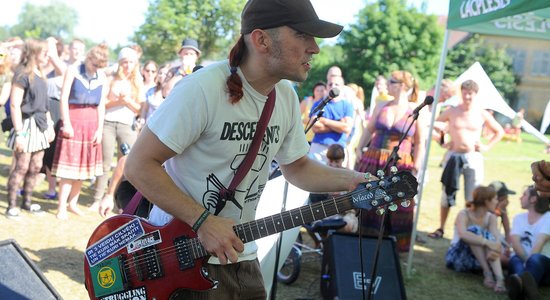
column 389, row 121
column 78, row 155
column 529, row 267
column 124, row 100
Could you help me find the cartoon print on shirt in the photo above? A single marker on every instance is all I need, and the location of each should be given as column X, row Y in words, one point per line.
column 527, row 239
column 211, row 198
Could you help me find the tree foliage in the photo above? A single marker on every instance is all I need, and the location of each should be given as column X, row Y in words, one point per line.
column 328, row 57
column 390, row 36
column 495, row 61
column 213, row 23
column 42, row 21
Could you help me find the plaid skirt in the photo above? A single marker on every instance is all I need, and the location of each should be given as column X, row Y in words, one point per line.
column 460, row 258
column 35, row 141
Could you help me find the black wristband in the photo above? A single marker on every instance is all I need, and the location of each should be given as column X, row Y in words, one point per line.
column 200, row 220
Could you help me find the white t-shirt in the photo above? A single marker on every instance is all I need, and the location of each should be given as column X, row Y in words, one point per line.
column 211, row 137
column 528, row 233
column 121, row 114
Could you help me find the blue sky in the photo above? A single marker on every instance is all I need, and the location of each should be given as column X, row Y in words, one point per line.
column 128, row 15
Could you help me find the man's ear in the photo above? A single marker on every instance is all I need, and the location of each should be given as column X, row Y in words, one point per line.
column 260, row 40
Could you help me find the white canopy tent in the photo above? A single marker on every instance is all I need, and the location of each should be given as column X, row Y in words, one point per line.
column 545, row 119
column 490, row 98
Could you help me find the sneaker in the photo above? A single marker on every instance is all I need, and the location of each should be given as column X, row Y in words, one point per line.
column 50, row 196
column 530, row 286
column 13, row 213
column 32, row 208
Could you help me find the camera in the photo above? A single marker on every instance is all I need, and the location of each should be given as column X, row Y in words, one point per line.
column 124, row 148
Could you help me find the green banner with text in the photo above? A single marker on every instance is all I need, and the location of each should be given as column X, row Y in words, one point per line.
column 519, row 18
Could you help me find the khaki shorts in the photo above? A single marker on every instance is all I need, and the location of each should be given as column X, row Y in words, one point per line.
column 235, row 281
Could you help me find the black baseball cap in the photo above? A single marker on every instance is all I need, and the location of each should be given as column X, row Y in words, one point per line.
column 297, row 14
column 501, row 188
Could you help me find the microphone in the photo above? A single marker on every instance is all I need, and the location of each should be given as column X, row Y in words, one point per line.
column 334, row 92
column 427, row 101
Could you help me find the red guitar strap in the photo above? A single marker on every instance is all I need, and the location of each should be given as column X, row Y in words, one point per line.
column 229, row 192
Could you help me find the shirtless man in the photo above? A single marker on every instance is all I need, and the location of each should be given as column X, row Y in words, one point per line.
column 464, row 125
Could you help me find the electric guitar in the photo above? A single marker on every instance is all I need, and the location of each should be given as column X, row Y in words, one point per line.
column 129, row 258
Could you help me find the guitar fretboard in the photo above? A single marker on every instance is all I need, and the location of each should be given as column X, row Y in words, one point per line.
column 289, row 219
column 260, row 228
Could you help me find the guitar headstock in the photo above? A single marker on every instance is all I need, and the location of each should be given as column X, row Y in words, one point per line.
column 386, row 191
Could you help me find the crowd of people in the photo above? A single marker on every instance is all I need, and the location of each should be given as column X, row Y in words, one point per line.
column 69, row 113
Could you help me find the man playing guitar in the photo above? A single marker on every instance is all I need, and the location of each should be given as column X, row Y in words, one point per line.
column 192, row 146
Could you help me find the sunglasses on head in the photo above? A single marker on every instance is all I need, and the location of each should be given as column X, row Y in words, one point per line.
column 392, row 80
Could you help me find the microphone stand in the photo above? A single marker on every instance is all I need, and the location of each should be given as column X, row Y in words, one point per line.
column 310, row 124
column 392, row 160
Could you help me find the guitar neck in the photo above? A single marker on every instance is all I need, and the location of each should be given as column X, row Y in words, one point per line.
column 260, row 228
column 373, row 194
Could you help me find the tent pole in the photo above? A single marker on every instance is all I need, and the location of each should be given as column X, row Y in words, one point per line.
column 435, row 109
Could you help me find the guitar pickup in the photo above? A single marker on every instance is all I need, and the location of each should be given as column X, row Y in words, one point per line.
column 147, row 264
column 183, row 253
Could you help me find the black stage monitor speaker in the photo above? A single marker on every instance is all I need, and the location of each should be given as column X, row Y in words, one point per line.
column 341, row 271
column 19, row 276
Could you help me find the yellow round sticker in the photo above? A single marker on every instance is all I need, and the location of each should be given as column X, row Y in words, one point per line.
column 106, row 277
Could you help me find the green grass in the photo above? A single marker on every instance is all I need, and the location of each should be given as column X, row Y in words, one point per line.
column 58, row 248
column 430, row 279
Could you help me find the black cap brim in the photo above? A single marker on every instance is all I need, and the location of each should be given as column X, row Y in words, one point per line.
column 318, row 28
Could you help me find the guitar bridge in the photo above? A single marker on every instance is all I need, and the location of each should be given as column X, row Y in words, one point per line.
column 183, row 253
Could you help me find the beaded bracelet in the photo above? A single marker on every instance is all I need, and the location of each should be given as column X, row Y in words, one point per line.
column 200, row 220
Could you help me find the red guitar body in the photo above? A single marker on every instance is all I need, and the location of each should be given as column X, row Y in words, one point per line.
column 153, row 269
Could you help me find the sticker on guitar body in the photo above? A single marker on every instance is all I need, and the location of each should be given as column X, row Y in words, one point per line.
column 113, row 242
column 150, row 239
column 135, row 294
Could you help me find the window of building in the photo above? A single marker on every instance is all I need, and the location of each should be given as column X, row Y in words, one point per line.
column 541, row 63
column 518, row 59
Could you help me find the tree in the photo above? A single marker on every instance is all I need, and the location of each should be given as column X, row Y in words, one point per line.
column 328, row 57
column 495, row 61
column 388, row 36
column 213, row 23
column 36, row 21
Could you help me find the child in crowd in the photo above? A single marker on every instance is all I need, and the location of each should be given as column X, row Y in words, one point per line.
column 336, row 156
column 530, row 266
column 502, row 211
column 476, row 243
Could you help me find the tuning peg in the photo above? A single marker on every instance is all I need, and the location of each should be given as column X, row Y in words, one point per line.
column 380, row 211
column 400, row 194
column 394, row 179
column 380, row 174
column 387, row 198
column 374, row 203
column 393, row 207
column 368, row 185
column 393, row 169
column 405, row 203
